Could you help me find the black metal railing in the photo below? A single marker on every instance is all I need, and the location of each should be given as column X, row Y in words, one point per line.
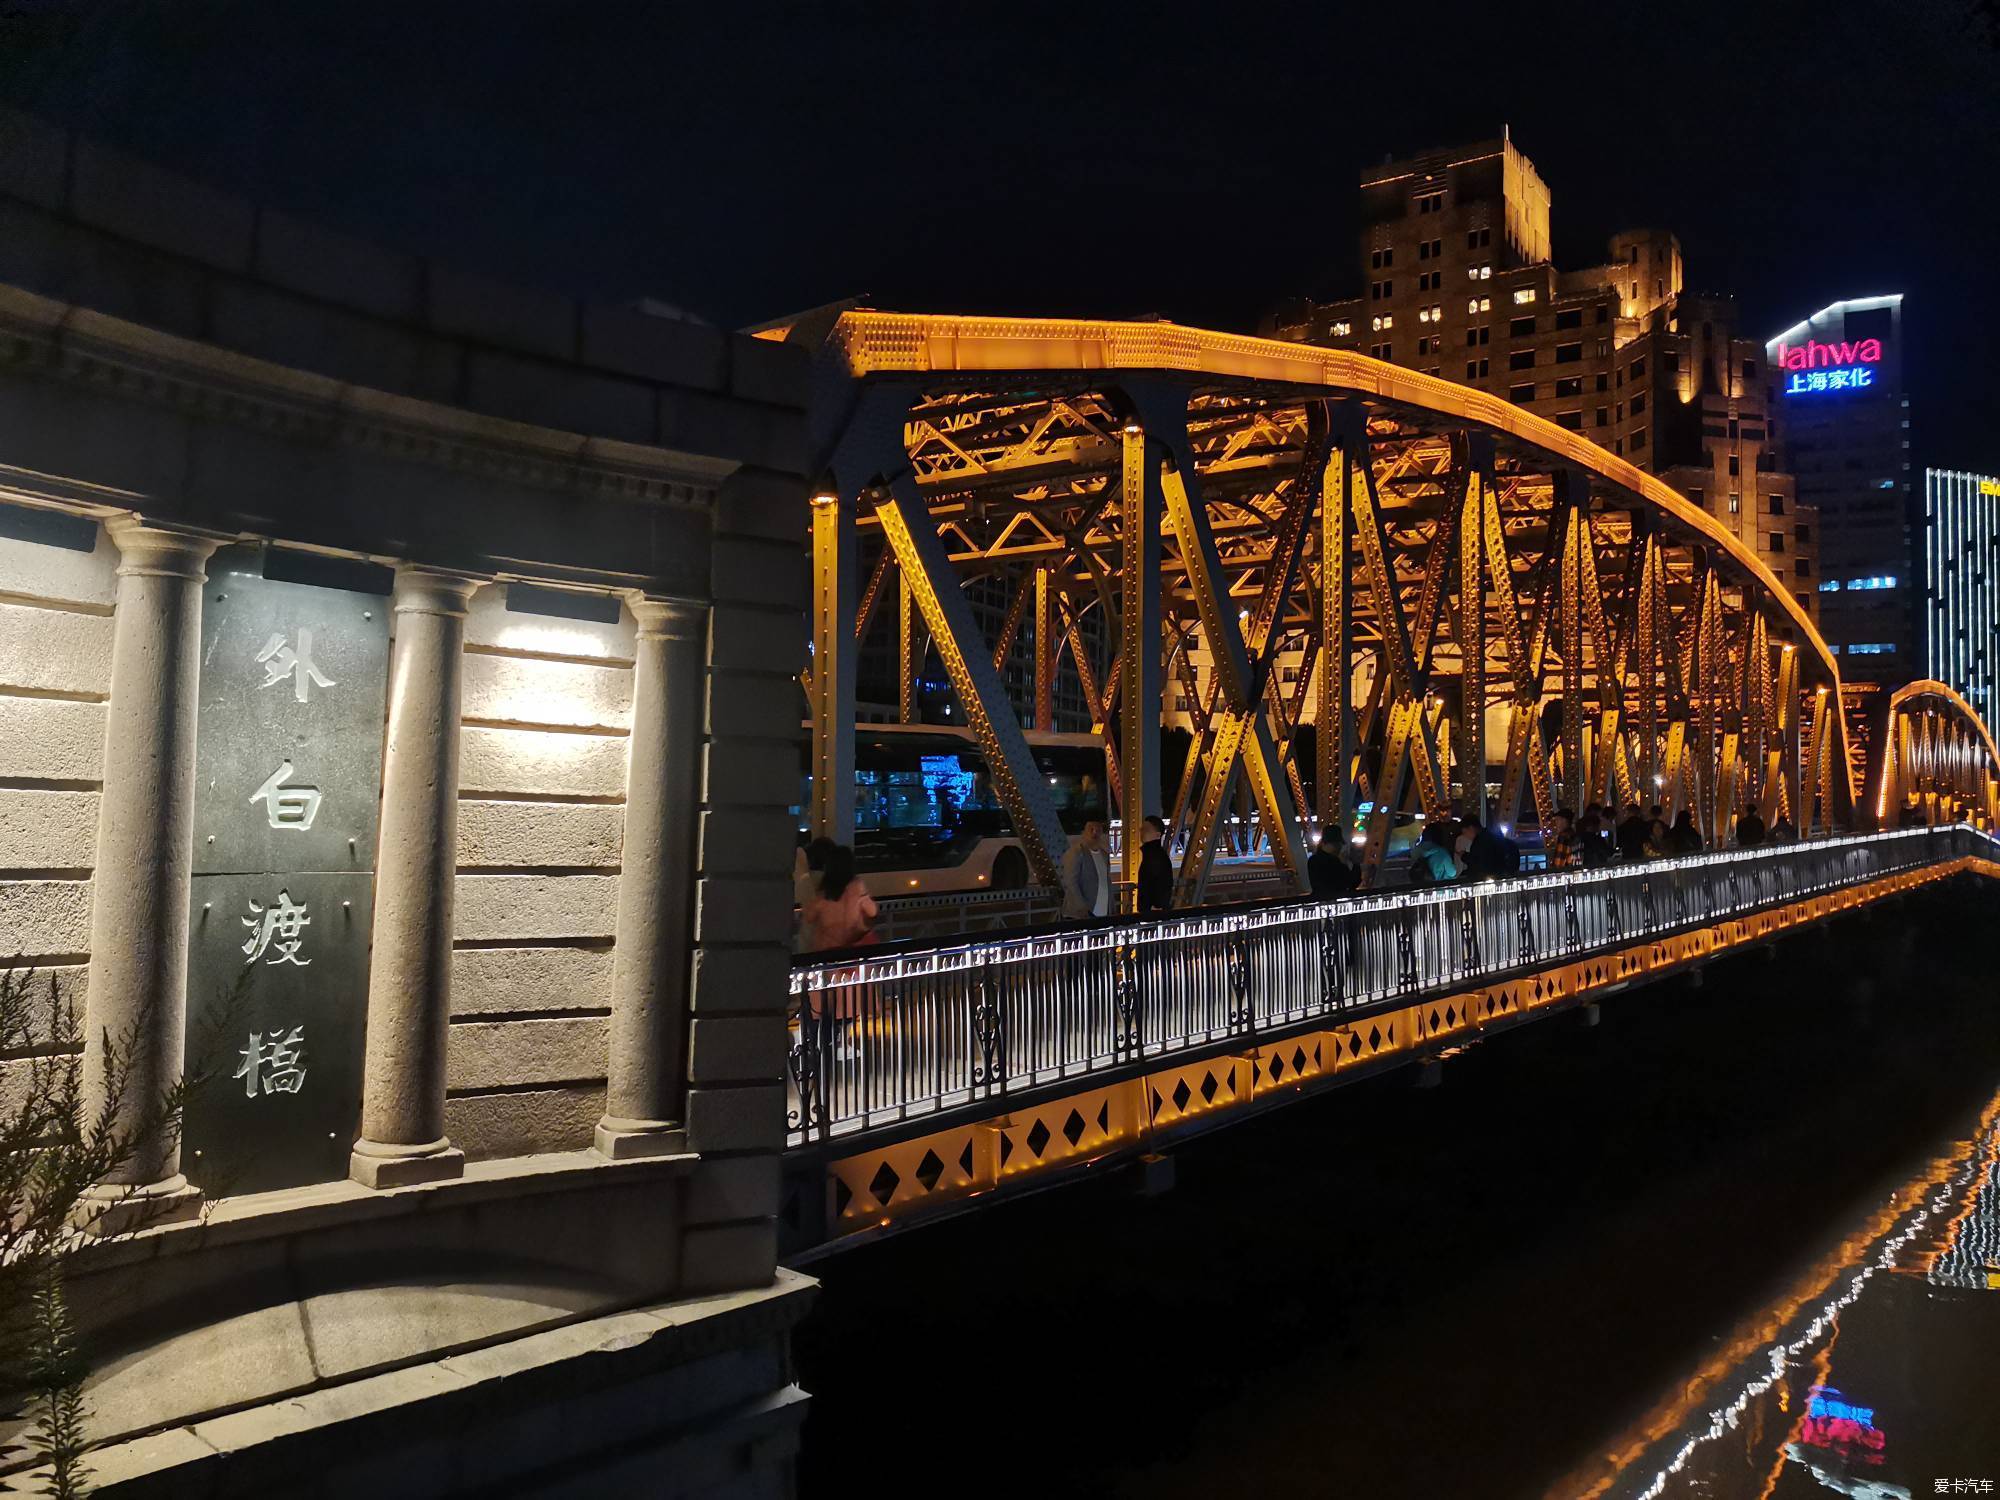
column 925, row 1033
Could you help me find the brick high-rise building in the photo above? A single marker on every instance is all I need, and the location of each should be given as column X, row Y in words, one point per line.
column 1454, row 250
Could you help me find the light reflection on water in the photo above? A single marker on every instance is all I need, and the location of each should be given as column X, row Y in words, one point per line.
column 1872, row 1376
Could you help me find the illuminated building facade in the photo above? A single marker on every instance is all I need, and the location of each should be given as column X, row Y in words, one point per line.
column 1843, row 424
column 1455, row 251
column 1961, row 567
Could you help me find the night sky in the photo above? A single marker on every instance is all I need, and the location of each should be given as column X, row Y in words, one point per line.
column 747, row 160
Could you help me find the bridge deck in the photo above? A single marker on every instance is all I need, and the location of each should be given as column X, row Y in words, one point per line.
column 1089, row 1040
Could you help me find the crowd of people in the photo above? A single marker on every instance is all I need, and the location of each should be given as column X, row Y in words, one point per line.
column 836, row 911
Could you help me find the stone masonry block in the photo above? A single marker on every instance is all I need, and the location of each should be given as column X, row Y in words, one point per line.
column 57, row 995
column 46, row 739
column 727, row 428
column 492, row 312
column 526, row 762
column 750, row 771
column 719, row 1258
column 750, row 570
column 47, row 830
column 67, row 261
column 292, row 329
column 501, row 385
column 518, row 834
column 738, row 841
column 47, row 650
column 762, row 640
column 34, row 159
column 489, row 622
column 38, row 570
column 45, row 917
column 486, row 981
column 757, row 705
column 331, row 266
column 504, row 1054
column 525, row 1121
column 772, row 503
column 536, row 906
column 142, row 202
column 671, row 351
column 742, row 908
column 729, row 1188
column 750, row 1118
column 738, row 979
column 564, row 694
column 769, row 370
column 736, row 1049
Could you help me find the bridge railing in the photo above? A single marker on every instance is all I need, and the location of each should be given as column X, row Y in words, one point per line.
column 921, row 1033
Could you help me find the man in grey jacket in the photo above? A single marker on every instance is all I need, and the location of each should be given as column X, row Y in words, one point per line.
column 1086, row 874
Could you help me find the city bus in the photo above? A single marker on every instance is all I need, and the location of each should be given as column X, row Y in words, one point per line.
column 927, row 821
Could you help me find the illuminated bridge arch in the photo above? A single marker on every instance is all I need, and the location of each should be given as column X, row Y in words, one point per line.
column 1937, row 762
column 1363, row 590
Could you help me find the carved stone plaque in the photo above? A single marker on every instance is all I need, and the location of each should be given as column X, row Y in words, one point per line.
column 288, row 772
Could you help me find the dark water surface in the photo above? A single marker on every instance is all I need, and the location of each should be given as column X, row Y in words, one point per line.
column 1732, row 1242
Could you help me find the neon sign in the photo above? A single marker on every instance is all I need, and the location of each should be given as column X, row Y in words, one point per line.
column 1813, row 367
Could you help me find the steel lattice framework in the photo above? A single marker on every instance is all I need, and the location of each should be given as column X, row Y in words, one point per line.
column 1441, row 565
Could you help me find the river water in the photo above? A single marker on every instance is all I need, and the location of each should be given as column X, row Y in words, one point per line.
column 1741, row 1239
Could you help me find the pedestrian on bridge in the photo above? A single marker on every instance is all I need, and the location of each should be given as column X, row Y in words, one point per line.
column 1432, row 862
column 1156, row 871
column 1489, row 854
column 1559, row 843
column 1632, row 832
column 1749, row 829
column 1684, row 837
column 1086, row 873
column 1327, row 867
column 842, row 914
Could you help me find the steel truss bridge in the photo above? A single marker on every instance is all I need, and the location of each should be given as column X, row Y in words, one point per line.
column 1486, row 612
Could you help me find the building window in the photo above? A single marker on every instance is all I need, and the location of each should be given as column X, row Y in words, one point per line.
column 1672, row 360
column 1430, row 203
column 1735, row 466
column 1568, row 354
column 1802, row 532
column 1603, row 381
column 1749, row 369
column 1698, row 497
column 1801, row 568
column 1342, row 330
column 1479, row 305
column 1569, row 317
column 1777, row 505
column 1571, row 386
column 1381, row 291
column 1380, row 351
column 1523, row 295
column 1520, row 327
column 1521, row 393
column 1476, row 239
column 1638, row 403
column 1871, row 648
column 1638, row 369
column 1478, row 273
column 1521, row 359
column 1475, row 369
column 1638, row 440
column 1476, row 336
column 1777, row 541
column 1423, row 281
column 1603, row 417
column 1570, row 419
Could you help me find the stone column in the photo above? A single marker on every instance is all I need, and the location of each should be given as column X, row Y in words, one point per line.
column 409, row 975
column 135, row 1023
column 645, row 1090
